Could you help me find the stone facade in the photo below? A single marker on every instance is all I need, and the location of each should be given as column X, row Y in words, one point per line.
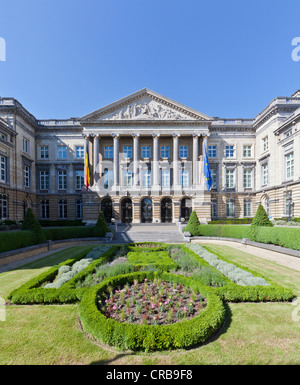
column 145, row 156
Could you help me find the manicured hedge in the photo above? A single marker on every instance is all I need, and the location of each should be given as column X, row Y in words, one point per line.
column 32, row 292
column 135, row 337
column 154, row 246
column 232, row 221
column 159, row 259
column 226, row 231
column 10, row 240
column 288, row 237
column 282, row 236
column 233, row 292
column 58, row 223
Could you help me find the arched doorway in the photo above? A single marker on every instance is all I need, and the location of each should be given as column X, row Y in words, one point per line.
column 166, row 210
column 25, row 206
column 106, row 208
column 146, row 210
column 185, row 209
column 126, row 210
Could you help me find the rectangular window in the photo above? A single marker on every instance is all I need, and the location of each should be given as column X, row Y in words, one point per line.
column 45, row 209
column 26, row 145
column 44, row 180
column 108, row 152
column 26, row 176
column 229, row 151
column 108, row 178
column 3, row 136
column 62, row 152
column 265, row 143
column 213, row 173
column 79, row 152
column 164, row 151
column 289, row 165
column 230, row 207
column 288, row 204
column 78, row 209
column 127, row 179
column 3, row 206
column 214, row 208
column 183, row 151
column 62, row 180
column 165, row 178
column 212, row 151
column 79, row 179
column 146, row 152
column 288, row 133
column 146, row 178
column 3, row 169
column 62, row 209
column 127, row 151
column 265, row 174
column 247, row 208
column 247, row 178
column 44, row 152
column 184, row 178
column 230, row 178
column 247, row 151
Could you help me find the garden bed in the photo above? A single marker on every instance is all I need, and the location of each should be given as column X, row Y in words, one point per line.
column 154, row 302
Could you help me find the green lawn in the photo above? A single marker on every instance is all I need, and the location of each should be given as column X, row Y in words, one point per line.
column 254, row 333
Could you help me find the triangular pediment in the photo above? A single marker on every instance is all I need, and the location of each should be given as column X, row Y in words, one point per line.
column 145, row 105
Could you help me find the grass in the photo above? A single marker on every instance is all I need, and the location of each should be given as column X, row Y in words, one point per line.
column 254, row 333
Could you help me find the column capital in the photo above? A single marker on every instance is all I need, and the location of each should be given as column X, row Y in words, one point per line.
column 196, row 135
column 114, row 135
column 135, row 135
column 155, row 135
column 175, row 135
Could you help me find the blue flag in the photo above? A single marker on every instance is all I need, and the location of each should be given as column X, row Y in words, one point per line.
column 207, row 172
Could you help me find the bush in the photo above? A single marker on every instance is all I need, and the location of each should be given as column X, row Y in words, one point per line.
column 261, row 218
column 224, row 231
column 101, row 227
column 16, row 240
column 193, row 224
column 32, row 224
column 58, row 223
column 282, row 236
column 231, row 221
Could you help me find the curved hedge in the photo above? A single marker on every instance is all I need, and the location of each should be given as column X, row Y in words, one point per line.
column 135, row 337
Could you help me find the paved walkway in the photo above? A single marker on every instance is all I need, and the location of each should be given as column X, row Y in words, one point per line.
column 280, row 258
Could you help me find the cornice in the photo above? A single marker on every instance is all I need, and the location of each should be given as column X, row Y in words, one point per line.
column 146, row 123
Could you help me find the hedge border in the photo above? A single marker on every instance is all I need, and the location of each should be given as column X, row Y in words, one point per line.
column 32, row 293
column 233, row 292
column 126, row 336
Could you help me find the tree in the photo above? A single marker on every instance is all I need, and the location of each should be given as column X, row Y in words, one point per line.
column 193, row 224
column 261, row 218
column 32, row 224
column 101, row 227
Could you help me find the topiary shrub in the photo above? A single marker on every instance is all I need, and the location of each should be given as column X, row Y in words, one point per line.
column 32, row 224
column 193, row 224
column 101, row 227
column 261, row 218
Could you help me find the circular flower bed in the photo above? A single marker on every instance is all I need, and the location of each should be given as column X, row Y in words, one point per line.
column 154, row 302
column 195, row 325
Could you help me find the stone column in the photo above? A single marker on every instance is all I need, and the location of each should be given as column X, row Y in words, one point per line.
column 116, row 165
column 96, row 160
column 175, row 161
column 195, row 160
column 135, row 161
column 155, row 168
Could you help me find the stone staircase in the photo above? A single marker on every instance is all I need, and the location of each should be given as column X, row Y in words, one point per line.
column 148, row 232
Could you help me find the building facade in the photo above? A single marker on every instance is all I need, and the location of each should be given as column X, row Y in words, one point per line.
column 140, row 159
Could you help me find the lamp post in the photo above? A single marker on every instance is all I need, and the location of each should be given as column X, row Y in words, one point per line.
column 289, row 197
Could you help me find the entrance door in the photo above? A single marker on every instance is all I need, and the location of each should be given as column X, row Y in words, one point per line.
column 186, row 208
column 126, row 210
column 166, row 210
column 146, row 210
column 106, row 208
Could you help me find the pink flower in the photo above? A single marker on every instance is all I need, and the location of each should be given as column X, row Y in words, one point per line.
column 166, row 303
column 168, row 300
column 120, row 306
column 106, row 300
column 114, row 307
column 191, row 300
column 185, row 309
column 153, row 306
column 116, row 291
column 146, row 279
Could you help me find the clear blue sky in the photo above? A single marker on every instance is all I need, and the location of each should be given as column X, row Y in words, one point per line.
column 224, row 58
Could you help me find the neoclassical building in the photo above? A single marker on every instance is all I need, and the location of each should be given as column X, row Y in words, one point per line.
column 140, row 159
